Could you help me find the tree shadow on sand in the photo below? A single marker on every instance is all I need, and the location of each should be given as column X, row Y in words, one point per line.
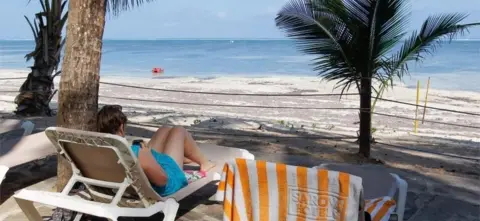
column 443, row 180
column 442, row 185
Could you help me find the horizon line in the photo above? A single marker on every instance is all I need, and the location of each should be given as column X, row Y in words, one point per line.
column 162, row 39
column 203, row 39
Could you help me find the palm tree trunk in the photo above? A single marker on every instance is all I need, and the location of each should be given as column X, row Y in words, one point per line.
column 79, row 83
column 365, row 116
column 36, row 92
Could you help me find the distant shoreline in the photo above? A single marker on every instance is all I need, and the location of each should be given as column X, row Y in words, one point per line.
column 408, row 82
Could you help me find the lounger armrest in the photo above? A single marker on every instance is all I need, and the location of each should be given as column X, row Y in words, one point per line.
column 247, row 155
column 402, row 187
column 84, row 206
column 65, row 201
column 100, row 182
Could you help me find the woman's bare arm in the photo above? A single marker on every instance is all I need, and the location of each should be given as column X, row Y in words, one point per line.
column 152, row 169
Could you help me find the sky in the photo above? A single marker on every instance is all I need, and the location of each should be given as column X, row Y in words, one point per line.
column 231, row 19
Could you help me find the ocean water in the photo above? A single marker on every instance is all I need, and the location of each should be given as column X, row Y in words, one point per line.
column 453, row 66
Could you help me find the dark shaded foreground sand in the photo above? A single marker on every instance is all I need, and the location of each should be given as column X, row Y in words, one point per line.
column 443, row 175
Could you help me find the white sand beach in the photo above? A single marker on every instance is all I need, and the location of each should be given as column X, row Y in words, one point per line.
column 431, row 137
column 440, row 162
column 439, row 138
column 336, row 121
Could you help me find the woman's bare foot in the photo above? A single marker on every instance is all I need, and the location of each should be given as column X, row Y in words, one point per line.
column 207, row 166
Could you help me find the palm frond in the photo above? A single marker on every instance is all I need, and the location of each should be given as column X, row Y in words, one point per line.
column 116, row 6
column 47, row 32
column 43, row 5
column 435, row 30
column 31, row 27
column 319, row 31
column 392, row 21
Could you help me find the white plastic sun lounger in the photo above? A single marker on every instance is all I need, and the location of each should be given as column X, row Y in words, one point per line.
column 115, row 182
column 12, row 130
column 377, row 183
column 13, row 125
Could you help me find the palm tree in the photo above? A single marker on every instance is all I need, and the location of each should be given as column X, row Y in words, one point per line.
column 79, row 82
column 353, row 40
column 37, row 91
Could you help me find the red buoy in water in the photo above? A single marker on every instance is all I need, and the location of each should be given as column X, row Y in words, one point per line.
column 157, row 71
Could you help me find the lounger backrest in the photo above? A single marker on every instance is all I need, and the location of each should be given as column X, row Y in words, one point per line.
column 376, row 181
column 103, row 157
column 95, row 163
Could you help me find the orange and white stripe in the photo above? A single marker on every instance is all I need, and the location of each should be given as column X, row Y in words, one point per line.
column 381, row 208
column 261, row 191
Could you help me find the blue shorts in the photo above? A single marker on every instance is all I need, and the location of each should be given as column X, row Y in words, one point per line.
column 176, row 176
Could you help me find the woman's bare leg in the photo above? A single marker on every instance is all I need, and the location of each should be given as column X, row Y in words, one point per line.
column 191, row 148
column 159, row 139
column 179, row 146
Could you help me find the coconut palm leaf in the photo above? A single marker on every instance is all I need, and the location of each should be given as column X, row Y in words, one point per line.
column 350, row 37
column 36, row 91
column 31, row 27
column 435, row 31
column 317, row 31
column 116, row 6
column 45, row 45
column 353, row 39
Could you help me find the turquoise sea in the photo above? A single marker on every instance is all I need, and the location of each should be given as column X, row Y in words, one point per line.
column 453, row 66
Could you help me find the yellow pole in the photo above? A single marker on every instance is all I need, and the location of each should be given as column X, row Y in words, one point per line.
column 426, row 98
column 416, row 110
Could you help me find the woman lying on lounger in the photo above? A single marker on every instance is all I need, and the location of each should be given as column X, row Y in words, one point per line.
column 162, row 158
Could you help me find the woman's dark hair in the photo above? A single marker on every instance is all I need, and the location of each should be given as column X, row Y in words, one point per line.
column 110, row 118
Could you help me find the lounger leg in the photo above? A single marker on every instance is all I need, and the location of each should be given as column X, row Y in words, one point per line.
column 29, row 210
column 78, row 217
column 170, row 210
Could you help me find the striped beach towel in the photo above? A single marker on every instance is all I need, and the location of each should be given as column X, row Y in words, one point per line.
column 380, row 209
column 261, row 191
